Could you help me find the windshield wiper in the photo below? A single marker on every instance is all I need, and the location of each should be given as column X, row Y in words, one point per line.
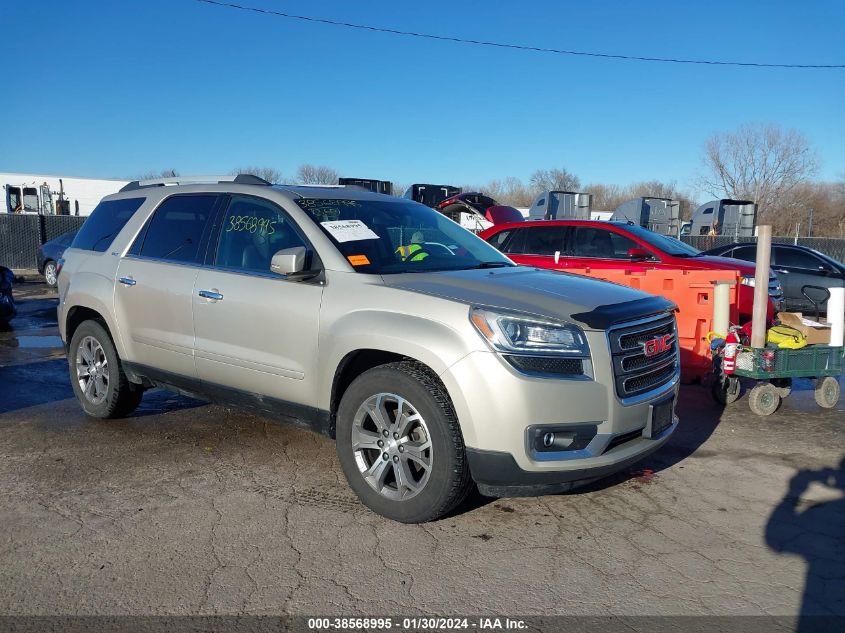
column 492, row 265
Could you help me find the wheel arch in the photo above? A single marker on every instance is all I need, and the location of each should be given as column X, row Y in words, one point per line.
column 356, row 362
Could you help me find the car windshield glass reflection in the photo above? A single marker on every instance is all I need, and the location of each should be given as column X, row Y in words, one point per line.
column 397, row 236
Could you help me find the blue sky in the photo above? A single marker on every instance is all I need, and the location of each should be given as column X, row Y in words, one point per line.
column 114, row 89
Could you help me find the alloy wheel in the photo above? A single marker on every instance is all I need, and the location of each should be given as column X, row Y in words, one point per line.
column 392, row 446
column 92, row 370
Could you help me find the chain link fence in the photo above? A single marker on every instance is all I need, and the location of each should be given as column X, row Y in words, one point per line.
column 830, row 246
column 22, row 234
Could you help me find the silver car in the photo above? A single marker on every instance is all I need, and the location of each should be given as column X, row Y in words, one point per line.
column 431, row 359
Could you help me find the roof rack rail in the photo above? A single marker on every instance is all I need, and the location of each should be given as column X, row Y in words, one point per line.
column 239, row 179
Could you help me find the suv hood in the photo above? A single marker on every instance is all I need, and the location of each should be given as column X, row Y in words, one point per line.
column 592, row 303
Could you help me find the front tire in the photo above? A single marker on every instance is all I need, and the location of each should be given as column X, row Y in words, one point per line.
column 764, row 399
column 400, row 445
column 97, row 376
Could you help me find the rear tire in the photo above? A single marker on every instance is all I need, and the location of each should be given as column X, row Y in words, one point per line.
column 827, row 392
column 50, row 274
column 783, row 385
column 726, row 389
column 400, row 445
column 97, row 376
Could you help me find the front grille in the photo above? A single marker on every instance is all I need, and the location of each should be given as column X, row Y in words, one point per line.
column 634, row 372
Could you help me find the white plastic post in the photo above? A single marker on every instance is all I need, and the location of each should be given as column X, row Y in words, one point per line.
column 722, row 307
column 761, row 287
column 836, row 316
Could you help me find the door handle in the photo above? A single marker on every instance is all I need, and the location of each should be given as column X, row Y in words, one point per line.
column 210, row 294
column 127, row 281
column 782, row 272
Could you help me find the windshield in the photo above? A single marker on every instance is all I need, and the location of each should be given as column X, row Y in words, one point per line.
column 397, row 236
column 664, row 243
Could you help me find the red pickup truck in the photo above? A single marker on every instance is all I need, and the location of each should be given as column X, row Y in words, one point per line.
column 562, row 244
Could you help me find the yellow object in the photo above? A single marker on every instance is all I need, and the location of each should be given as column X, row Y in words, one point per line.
column 407, row 253
column 786, row 337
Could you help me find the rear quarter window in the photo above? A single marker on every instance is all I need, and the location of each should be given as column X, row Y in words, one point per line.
column 104, row 223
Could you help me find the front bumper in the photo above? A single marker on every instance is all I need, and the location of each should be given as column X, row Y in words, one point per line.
column 498, row 475
column 497, row 406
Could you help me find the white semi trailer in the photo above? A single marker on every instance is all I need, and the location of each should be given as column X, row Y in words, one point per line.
column 54, row 195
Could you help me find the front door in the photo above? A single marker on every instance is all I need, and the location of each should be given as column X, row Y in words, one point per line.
column 155, row 282
column 256, row 331
column 798, row 268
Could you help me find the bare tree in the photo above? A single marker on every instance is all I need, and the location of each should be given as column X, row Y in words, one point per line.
column 762, row 163
column 316, row 175
column 607, row 197
column 155, row 175
column 270, row 174
column 554, row 180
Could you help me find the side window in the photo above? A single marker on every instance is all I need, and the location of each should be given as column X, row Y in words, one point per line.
column 516, row 244
column 601, row 243
column 254, row 230
column 793, row 258
column 747, row 253
column 175, row 230
column 543, row 240
column 104, row 223
column 498, row 240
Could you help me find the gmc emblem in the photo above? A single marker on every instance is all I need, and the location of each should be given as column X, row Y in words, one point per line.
column 657, row 345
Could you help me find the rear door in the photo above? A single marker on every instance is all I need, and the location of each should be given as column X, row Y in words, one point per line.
column 155, row 282
column 537, row 245
column 256, row 331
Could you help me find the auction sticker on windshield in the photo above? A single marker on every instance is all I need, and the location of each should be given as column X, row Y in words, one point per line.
column 349, row 230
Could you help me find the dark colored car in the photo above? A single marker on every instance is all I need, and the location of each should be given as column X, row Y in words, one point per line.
column 7, row 301
column 562, row 244
column 49, row 253
column 797, row 267
column 480, row 205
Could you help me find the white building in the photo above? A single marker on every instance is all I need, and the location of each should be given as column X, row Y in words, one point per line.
column 52, row 195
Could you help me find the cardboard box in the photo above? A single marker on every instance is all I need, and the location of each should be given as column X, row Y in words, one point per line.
column 816, row 333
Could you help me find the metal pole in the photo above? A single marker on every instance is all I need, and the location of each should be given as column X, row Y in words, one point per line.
column 761, row 287
column 810, row 224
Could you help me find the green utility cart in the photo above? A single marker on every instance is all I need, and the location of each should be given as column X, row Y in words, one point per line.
column 774, row 368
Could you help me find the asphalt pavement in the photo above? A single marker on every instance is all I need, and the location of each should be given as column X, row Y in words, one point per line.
column 188, row 508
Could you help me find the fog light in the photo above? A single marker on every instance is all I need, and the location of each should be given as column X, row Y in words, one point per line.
column 560, row 437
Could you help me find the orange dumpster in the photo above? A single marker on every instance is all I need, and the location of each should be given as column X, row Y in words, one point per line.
column 693, row 292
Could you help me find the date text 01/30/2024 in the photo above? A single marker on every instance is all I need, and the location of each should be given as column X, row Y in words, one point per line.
column 415, row 623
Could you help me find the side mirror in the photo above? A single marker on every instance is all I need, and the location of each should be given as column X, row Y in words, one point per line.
column 638, row 254
column 288, row 261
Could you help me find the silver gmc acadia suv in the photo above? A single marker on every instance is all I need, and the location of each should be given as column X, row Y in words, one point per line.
column 432, row 359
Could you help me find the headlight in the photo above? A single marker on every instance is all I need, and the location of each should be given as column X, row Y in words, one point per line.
column 747, row 280
column 515, row 334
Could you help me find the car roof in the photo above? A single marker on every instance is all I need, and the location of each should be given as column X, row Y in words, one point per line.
column 572, row 222
column 290, row 192
column 335, row 192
